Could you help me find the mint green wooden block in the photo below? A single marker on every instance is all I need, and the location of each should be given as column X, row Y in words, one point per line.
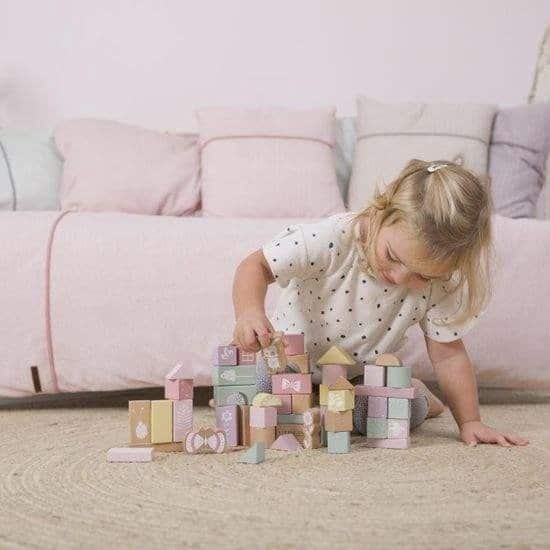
column 338, row 442
column 377, row 427
column 290, row 419
column 239, row 375
column 254, row 455
column 234, row 395
column 398, row 377
column 399, row 408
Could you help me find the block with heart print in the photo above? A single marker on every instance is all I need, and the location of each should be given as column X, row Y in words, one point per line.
column 290, row 383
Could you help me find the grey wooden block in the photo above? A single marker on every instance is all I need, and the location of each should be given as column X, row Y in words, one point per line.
column 398, row 377
column 399, row 408
column 377, row 427
column 290, row 418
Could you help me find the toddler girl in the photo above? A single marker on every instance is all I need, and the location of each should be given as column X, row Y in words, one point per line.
column 418, row 253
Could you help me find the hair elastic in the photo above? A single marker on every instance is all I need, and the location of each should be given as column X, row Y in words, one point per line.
column 434, row 166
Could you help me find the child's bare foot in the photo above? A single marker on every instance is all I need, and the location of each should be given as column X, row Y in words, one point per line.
column 435, row 406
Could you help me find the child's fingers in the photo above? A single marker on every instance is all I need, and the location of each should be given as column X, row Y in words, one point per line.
column 516, row 439
column 250, row 342
column 264, row 335
column 502, row 441
column 470, row 440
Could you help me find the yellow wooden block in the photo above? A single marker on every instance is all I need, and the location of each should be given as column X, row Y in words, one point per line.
column 336, row 356
column 266, row 400
column 323, row 394
column 340, row 400
column 341, row 384
column 161, row 421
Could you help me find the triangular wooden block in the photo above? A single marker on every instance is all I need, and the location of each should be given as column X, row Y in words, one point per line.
column 254, row 455
column 176, row 373
column 266, row 400
column 286, row 442
column 336, row 356
column 341, row 384
column 388, row 360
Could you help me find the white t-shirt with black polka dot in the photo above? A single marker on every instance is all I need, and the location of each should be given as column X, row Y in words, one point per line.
column 327, row 296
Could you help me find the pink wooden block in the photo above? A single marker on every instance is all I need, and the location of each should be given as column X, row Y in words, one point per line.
column 388, row 443
column 286, row 442
column 246, row 357
column 130, row 454
column 263, row 417
column 182, row 421
column 294, row 344
column 398, row 428
column 227, row 419
column 178, row 389
column 286, row 406
column 331, row 373
column 377, row 391
column 226, row 355
column 289, row 383
column 377, row 406
column 374, row 375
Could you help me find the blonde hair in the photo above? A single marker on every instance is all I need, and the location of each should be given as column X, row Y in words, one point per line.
column 449, row 211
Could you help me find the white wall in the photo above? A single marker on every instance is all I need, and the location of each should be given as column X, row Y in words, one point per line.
column 153, row 61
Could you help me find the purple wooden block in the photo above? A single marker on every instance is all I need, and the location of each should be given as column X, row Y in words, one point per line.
column 398, row 428
column 377, row 407
column 403, row 443
column 226, row 355
column 182, row 421
column 227, row 419
column 374, row 375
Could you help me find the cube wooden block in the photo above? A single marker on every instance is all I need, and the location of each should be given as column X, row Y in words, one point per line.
column 244, row 429
column 294, row 429
column 161, row 421
column 234, row 395
column 286, row 404
column 246, row 357
column 301, row 402
column 339, row 421
column 377, row 407
column 291, row 383
column 398, row 428
column 239, row 375
column 178, row 389
column 263, row 417
column 399, row 408
column 298, row 363
column 182, row 418
column 139, row 416
column 339, row 442
column 130, row 454
column 398, row 377
column 226, row 355
column 323, row 394
column 340, row 400
column 227, row 419
column 402, row 393
column 262, row 435
column 388, row 443
column 331, row 373
column 294, row 344
column 290, row 419
column 274, row 354
column 374, row 375
column 377, row 427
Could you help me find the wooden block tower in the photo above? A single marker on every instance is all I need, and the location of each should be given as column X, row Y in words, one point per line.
column 339, row 416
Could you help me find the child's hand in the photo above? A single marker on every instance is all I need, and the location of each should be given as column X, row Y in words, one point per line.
column 252, row 331
column 475, row 432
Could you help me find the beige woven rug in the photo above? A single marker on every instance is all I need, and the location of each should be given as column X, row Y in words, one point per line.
column 58, row 491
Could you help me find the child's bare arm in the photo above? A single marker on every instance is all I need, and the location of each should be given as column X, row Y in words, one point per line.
column 252, row 327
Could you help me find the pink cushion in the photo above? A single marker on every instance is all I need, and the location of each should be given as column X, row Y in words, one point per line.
column 268, row 163
column 113, row 166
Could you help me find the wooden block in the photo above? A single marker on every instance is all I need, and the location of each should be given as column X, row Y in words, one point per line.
column 312, row 440
column 139, row 415
column 239, row 375
column 339, row 421
column 301, row 402
column 234, row 395
column 130, row 454
column 398, row 377
column 294, row 344
column 274, row 354
column 374, row 375
column 182, row 419
column 177, row 385
column 263, row 417
column 377, row 427
column 388, row 443
column 323, row 394
column 286, row 442
column 336, row 356
column 341, row 383
column 377, row 407
column 388, row 360
column 340, row 400
column 298, row 363
column 399, row 408
column 262, row 435
column 312, row 416
column 402, row 393
column 339, row 442
column 291, row 383
column 246, row 357
column 266, row 400
column 205, row 440
column 331, row 373
column 290, row 419
column 244, row 428
column 161, row 421
column 398, row 428
column 295, row 429
column 226, row 355
column 174, row 447
column 227, row 419
column 254, row 455
column 323, row 412
column 286, row 404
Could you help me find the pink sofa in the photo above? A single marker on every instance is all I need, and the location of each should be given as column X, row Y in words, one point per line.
column 124, row 297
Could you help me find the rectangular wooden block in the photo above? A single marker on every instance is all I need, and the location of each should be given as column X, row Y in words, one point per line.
column 294, row 344
column 178, row 389
column 298, row 363
column 244, row 420
column 374, row 375
column 399, row 408
column 402, row 393
column 238, row 375
column 139, row 416
column 290, row 419
column 246, row 357
column 377, row 427
column 286, row 404
column 301, row 402
column 377, row 406
column 339, row 442
column 339, row 421
column 263, row 417
column 323, row 394
column 331, row 373
column 398, row 377
column 295, row 429
column 388, row 443
column 312, row 440
column 161, row 421
column 130, row 454
column 398, row 428
column 182, row 419
column 174, row 447
column 226, row 355
column 227, row 419
column 234, row 395
column 274, row 354
column 291, row 383
column 340, row 400
column 262, row 435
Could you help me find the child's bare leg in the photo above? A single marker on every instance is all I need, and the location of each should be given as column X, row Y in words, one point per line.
column 435, row 406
